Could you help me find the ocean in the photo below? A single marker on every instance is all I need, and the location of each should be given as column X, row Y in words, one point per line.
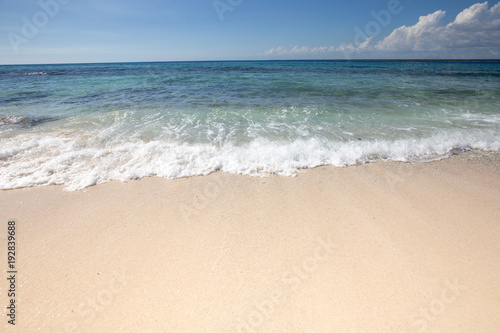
column 86, row 124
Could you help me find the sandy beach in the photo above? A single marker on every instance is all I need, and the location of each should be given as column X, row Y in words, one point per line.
column 380, row 247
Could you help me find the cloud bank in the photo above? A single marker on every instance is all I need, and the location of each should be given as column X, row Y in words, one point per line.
column 475, row 33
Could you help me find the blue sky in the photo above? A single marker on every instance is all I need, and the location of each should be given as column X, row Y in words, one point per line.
column 62, row 31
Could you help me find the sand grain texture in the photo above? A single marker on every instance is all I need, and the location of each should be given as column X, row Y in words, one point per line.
column 382, row 247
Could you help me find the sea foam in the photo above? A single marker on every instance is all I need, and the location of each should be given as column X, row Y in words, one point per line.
column 34, row 160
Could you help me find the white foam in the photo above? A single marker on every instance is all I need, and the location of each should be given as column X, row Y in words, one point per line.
column 35, row 73
column 78, row 162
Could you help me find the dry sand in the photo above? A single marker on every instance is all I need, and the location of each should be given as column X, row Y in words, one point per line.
column 381, row 247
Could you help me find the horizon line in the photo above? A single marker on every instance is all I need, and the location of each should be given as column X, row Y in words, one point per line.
column 259, row 60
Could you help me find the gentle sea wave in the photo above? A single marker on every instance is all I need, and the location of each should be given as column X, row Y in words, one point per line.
column 81, row 125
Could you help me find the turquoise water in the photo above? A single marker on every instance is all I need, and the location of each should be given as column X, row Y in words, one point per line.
column 84, row 124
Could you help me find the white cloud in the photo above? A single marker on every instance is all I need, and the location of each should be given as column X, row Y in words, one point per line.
column 300, row 50
column 416, row 37
column 475, row 33
column 477, row 28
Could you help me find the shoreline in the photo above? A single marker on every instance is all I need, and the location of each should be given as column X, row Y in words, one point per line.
column 469, row 152
column 381, row 246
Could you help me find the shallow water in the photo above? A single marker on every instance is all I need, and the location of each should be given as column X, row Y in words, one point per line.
column 85, row 124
